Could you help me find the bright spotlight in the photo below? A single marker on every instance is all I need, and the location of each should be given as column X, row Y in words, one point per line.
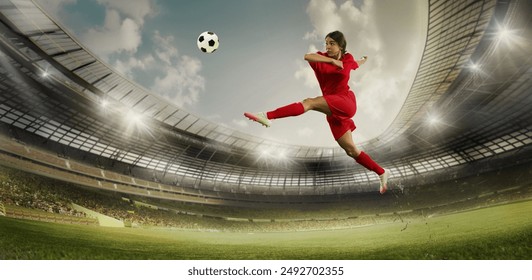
column 273, row 155
column 509, row 37
column 44, row 74
column 265, row 153
column 434, row 120
column 474, row 67
column 134, row 117
column 136, row 122
column 503, row 34
column 104, row 103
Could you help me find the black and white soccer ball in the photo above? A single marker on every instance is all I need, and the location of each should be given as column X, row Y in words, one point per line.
column 208, row 42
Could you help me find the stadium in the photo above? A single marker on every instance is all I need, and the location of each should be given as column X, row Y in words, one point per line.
column 91, row 160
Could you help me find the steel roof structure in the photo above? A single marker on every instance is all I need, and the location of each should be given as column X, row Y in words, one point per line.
column 475, row 85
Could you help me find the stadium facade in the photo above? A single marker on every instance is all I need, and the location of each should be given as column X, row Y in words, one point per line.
column 468, row 112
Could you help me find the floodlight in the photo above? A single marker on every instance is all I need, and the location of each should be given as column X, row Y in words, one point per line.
column 264, row 153
column 503, row 33
column 510, row 37
column 134, row 117
column 474, row 67
column 433, row 119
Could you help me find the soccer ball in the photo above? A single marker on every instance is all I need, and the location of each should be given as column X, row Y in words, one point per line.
column 208, row 42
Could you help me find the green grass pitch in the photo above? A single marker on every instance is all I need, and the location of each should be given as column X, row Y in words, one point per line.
column 499, row 232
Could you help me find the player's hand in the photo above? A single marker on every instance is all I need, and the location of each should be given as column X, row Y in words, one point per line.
column 338, row 63
column 362, row 60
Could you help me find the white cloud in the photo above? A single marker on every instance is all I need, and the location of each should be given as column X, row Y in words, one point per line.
column 116, row 35
column 164, row 58
column 165, row 47
column 127, row 66
column 121, row 31
column 324, row 17
column 182, row 83
column 306, row 74
column 137, row 10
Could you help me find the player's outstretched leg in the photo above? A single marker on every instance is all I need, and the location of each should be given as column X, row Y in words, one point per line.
column 291, row 110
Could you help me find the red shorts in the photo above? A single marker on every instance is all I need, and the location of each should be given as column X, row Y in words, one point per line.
column 343, row 108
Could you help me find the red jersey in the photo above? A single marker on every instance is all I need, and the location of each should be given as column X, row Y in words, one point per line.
column 332, row 79
column 340, row 99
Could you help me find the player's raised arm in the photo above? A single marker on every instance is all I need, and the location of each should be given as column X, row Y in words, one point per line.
column 314, row 57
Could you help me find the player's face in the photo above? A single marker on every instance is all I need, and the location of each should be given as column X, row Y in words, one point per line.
column 332, row 48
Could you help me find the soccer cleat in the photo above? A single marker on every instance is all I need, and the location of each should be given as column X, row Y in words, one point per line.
column 384, row 181
column 259, row 117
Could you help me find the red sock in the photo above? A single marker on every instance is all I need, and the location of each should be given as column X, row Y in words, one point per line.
column 364, row 160
column 291, row 110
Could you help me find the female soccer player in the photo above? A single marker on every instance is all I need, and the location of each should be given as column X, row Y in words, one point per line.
column 338, row 102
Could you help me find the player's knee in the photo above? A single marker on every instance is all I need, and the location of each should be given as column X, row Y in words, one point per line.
column 352, row 152
column 315, row 102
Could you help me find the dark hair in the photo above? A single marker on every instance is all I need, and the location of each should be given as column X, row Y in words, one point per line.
column 339, row 38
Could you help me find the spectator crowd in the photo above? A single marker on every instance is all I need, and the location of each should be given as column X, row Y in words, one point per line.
column 36, row 192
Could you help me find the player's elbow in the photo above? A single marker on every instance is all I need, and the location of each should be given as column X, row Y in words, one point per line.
column 307, row 56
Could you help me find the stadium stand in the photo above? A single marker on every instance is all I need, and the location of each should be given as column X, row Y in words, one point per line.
column 22, row 192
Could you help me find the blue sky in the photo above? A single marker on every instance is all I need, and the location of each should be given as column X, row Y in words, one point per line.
column 259, row 65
